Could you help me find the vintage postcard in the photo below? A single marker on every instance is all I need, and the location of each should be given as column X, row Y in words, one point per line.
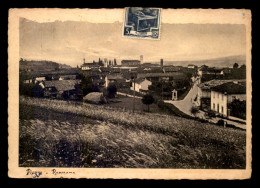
column 89, row 99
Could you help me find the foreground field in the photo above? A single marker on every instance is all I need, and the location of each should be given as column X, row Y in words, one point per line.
column 71, row 134
column 126, row 103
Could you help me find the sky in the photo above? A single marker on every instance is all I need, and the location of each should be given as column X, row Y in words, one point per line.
column 69, row 42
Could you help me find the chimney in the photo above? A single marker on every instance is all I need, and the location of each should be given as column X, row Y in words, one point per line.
column 105, row 62
column 141, row 58
column 84, row 60
column 161, row 62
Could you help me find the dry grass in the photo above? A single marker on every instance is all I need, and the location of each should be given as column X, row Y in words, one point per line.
column 61, row 133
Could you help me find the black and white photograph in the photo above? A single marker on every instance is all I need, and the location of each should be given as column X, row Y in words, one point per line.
column 90, row 98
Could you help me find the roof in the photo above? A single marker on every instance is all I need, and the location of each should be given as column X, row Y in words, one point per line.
column 230, row 88
column 69, row 77
column 212, row 83
column 62, row 85
column 126, row 61
column 171, row 69
column 114, row 77
column 140, row 80
column 90, row 65
column 176, row 75
column 105, row 69
column 94, row 97
column 210, row 69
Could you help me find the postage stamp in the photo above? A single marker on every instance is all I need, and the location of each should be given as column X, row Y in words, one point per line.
column 142, row 23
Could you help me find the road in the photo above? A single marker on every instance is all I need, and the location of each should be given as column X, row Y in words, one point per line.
column 186, row 104
column 128, row 95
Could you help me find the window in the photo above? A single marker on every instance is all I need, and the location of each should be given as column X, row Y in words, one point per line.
column 213, row 106
column 222, row 109
column 222, row 97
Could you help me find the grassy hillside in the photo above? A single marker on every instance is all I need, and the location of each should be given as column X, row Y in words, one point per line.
column 60, row 133
column 41, row 66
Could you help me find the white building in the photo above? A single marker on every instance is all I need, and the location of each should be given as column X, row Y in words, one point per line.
column 141, row 84
column 85, row 68
column 224, row 94
column 191, row 66
column 40, row 79
column 29, row 81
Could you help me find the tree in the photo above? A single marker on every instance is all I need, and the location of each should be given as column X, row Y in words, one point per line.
column 85, row 85
column 147, row 100
column 235, row 66
column 238, row 108
column 243, row 67
column 194, row 110
column 111, row 89
column 38, row 91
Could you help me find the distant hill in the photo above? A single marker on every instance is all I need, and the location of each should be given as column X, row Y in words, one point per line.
column 217, row 62
column 41, row 66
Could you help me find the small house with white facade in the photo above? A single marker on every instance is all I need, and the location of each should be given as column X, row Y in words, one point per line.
column 191, row 66
column 141, row 84
column 224, row 94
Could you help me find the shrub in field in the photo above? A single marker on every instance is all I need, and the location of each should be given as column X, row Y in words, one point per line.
column 111, row 89
column 194, row 110
column 211, row 114
column 148, row 100
column 221, row 122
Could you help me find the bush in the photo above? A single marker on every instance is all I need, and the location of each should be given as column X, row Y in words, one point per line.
column 211, row 114
column 203, row 121
column 238, row 108
column 194, row 110
column 147, row 100
column 111, row 91
column 221, row 122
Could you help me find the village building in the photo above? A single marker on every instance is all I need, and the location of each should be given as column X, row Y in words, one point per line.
column 68, row 77
column 39, row 79
column 167, row 69
column 191, row 66
column 60, row 88
column 28, row 81
column 129, row 63
column 226, row 71
column 224, row 94
column 141, row 84
column 89, row 66
column 162, row 76
column 205, row 70
column 204, row 92
column 116, row 79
